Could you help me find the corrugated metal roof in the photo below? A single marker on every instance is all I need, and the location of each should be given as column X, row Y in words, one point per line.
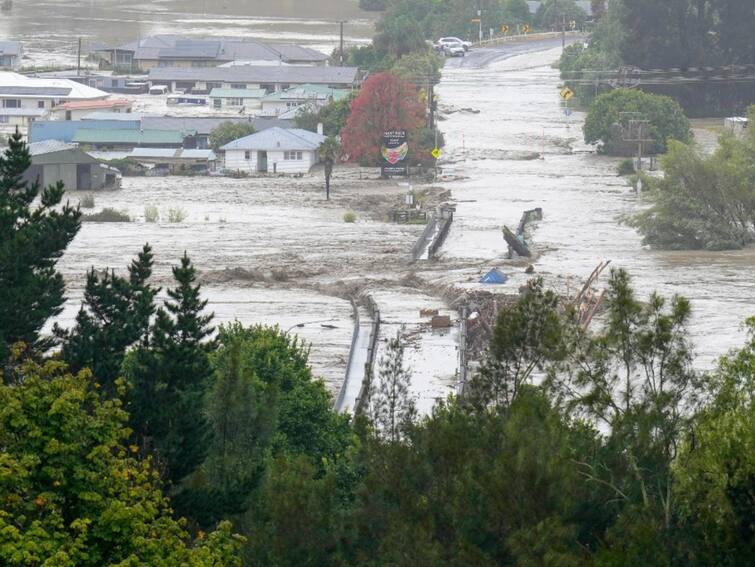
column 136, row 137
column 205, row 125
column 36, row 112
column 238, row 93
column 84, row 104
column 191, row 49
column 11, row 47
column 34, row 91
column 278, row 139
column 48, row 147
column 120, row 116
column 308, row 92
column 285, row 74
column 172, row 153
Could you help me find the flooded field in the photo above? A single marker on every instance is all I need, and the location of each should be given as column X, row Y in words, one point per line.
column 50, row 28
column 582, row 198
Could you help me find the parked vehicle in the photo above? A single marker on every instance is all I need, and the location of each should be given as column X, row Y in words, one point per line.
column 454, row 50
column 455, row 40
column 158, row 90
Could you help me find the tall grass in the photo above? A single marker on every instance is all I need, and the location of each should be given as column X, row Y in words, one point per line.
column 151, row 214
column 176, row 215
column 87, row 201
column 107, row 215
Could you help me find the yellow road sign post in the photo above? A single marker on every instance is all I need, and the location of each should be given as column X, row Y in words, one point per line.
column 436, row 153
column 525, row 28
column 566, row 93
column 504, row 28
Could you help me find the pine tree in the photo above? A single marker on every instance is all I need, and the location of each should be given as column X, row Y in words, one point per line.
column 391, row 406
column 170, row 378
column 115, row 316
column 31, row 241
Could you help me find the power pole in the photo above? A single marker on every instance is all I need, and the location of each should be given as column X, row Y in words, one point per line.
column 479, row 17
column 563, row 31
column 341, row 43
column 78, row 60
column 431, row 102
column 636, row 132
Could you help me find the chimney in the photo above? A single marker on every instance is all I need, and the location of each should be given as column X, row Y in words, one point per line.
column 319, row 128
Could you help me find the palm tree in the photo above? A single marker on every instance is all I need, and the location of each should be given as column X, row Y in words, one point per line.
column 330, row 152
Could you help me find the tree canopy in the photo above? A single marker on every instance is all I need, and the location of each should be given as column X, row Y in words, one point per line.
column 228, row 132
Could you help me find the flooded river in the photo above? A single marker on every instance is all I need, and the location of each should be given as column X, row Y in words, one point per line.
column 50, row 28
column 582, row 198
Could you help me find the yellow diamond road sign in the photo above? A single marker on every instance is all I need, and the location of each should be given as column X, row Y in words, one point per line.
column 525, row 28
column 566, row 93
column 436, row 153
column 505, row 28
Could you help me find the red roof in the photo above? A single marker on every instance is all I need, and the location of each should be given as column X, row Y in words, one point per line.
column 87, row 104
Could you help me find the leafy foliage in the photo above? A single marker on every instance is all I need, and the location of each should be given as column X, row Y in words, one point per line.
column 332, row 116
column 31, row 241
column 556, row 13
column 71, row 493
column 228, row 132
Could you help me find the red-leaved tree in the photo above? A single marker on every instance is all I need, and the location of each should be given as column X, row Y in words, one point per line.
column 386, row 102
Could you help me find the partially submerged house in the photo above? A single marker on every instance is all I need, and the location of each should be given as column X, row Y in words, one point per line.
column 121, row 138
column 178, row 51
column 11, row 53
column 274, row 150
column 265, row 77
column 77, row 109
column 312, row 96
column 54, row 161
column 176, row 161
column 238, row 100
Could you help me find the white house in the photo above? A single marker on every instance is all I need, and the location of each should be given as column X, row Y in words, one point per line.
column 78, row 109
column 25, row 99
column 313, row 96
column 238, row 100
column 275, row 150
column 11, row 53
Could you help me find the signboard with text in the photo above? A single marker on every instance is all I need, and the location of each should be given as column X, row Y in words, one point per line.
column 395, row 149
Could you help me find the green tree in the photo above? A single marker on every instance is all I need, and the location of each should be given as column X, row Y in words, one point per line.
column 170, row 377
column 398, row 35
column 70, row 492
column 332, row 116
column 605, row 122
column 391, row 406
column 329, row 152
column 32, row 239
column 115, row 315
column 557, row 13
column 420, row 67
column 228, row 132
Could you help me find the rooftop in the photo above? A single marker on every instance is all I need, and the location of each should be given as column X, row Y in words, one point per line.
column 172, row 153
column 118, row 136
column 49, row 147
column 20, row 85
column 309, row 92
column 282, row 74
column 278, row 139
column 85, row 104
column 238, row 93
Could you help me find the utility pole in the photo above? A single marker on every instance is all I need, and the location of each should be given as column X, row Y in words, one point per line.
column 78, row 60
column 431, row 102
column 636, row 132
column 563, row 31
column 341, row 23
column 479, row 17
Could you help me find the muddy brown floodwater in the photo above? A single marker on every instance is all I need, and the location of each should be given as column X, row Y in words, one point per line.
column 582, row 198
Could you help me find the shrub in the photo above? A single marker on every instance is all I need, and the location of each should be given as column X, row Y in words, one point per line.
column 350, row 217
column 606, row 122
column 87, row 202
column 151, row 214
column 176, row 215
column 107, row 215
column 625, row 167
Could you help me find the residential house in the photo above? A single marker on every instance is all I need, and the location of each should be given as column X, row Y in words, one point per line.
column 75, row 110
column 200, row 128
column 11, row 53
column 177, row 51
column 176, row 161
column 313, row 96
column 238, row 100
column 266, row 77
column 274, row 150
column 26, row 99
column 65, row 130
column 117, row 84
column 120, row 138
column 53, row 161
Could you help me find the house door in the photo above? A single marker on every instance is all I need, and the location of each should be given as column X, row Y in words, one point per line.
column 83, row 177
column 262, row 162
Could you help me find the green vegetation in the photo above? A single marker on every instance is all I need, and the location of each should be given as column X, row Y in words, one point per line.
column 556, row 13
column 151, row 214
column 350, row 217
column 332, row 116
column 107, row 214
column 87, row 201
column 607, row 122
column 704, row 201
column 626, row 167
column 329, row 152
column 127, row 167
column 176, row 215
column 228, row 132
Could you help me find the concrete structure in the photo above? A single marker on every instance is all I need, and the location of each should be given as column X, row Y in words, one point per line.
column 177, row 51
column 11, row 53
column 239, row 100
column 313, row 96
column 54, row 161
column 266, row 77
column 274, row 150
column 75, row 110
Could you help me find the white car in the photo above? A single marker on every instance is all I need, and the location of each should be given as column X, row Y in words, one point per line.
column 455, row 40
column 454, row 50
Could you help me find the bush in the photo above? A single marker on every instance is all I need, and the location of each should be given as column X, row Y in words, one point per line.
column 87, row 202
column 151, row 214
column 350, row 217
column 127, row 167
column 107, row 215
column 626, row 167
column 228, row 132
column 605, row 122
column 176, row 215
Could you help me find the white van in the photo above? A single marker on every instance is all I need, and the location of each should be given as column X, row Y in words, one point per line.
column 158, row 90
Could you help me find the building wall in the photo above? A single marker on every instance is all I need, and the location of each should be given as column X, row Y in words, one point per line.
column 235, row 160
column 78, row 114
column 30, row 102
column 277, row 163
column 65, row 172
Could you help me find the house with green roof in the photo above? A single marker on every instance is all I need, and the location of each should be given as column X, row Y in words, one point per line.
column 247, row 101
column 115, row 139
column 313, row 96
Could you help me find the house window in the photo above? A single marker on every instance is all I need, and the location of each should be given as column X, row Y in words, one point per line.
column 11, row 103
column 238, row 85
column 211, row 86
column 247, row 155
column 217, row 103
column 40, row 104
column 234, row 101
column 292, row 104
column 289, row 156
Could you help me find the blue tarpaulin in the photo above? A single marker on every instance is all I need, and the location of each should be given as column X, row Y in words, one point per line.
column 494, row 276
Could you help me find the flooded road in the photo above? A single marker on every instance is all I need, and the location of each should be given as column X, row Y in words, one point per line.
column 583, row 200
column 50, row 28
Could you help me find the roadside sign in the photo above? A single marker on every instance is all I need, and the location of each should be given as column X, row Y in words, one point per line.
column 504, row 28
column 525, row 28
column 436, row 153
column 475, row 20
column 573, row 24
column 566, row 93
column 567, row 111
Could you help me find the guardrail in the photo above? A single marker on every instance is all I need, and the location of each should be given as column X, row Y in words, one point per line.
column 441, row 235
column 421, row 243
column 354, row 336
column 530, row 36
column 364, row 392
